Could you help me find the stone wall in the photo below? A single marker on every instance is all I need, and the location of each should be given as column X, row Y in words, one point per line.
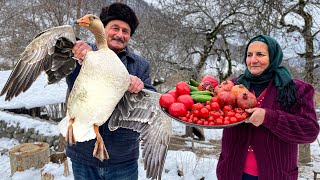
column 30, row 135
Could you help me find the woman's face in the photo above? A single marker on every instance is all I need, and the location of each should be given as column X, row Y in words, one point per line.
column 257, row 58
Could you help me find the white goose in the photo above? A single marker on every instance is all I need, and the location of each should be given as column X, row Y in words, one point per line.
column 100, row 86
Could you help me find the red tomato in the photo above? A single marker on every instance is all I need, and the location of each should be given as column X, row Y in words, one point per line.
column 226, row 108
column 205, row 123
column 215, row 114
column 173, row 93
column 233, row 120
column 245, row 115
column 208, row 107
column 177, row 110
column 229, row 113
column 186, row 100
column 196, row 113
column 188, row 114
column 182, row 88
column 215, row 106
column 238, row 116
column 204, row 113
column 199, row 122
column 184, row 118
column 214, row 99
column 210, row 118
column 198, row 106
column 166, row 100
column 238, row 110
column 219, row 121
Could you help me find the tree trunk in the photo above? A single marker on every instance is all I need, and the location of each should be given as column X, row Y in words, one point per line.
column 304, row 149
column 306, row 33
column 77, row 30
column 27, row 155
column 304, row 153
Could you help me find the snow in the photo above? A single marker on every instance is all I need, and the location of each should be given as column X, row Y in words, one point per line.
column 27, row 122
column 39, row 94
column 193, row 166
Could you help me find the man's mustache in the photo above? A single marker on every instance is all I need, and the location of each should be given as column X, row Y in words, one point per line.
column 118, row 39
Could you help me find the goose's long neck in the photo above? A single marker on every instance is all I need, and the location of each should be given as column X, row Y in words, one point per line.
column 101, row 40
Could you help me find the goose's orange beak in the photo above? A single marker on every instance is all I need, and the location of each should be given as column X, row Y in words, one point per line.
column 84, row 21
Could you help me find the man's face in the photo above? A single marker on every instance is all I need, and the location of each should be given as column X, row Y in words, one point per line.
column 117, row 34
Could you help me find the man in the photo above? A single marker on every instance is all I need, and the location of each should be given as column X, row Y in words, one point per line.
column 120, row 23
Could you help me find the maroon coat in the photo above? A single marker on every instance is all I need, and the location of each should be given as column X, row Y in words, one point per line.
column 275, row 141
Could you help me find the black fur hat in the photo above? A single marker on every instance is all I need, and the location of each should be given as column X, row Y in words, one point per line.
column 119, row 11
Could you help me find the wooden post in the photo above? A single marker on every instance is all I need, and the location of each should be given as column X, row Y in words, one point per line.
column 315, row 173
column 27, row 155
column 66, row 171
column 46, row 176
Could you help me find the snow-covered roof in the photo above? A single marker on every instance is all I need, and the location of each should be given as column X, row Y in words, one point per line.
column 38, row 95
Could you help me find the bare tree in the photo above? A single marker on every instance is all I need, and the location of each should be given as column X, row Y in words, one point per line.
column 213, row 27
column 302, row 10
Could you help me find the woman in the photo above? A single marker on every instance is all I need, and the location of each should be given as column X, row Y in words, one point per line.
column 266, row 146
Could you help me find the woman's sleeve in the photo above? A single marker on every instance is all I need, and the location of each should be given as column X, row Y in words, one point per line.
column 300, row 127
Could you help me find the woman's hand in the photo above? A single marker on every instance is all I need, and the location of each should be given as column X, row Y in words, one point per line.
column 80, row 49
column 257, row 116
column 136, row 85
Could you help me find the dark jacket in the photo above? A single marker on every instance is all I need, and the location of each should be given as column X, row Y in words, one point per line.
column 275, row 142
column 122, row 144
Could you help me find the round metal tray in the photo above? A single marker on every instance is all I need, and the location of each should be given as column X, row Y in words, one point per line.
column 203, row 126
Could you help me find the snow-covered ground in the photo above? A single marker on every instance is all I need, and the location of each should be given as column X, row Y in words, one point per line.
column 194, row 167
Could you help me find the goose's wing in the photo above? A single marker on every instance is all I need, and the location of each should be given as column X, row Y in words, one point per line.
column 51, row 52
column 141, row 112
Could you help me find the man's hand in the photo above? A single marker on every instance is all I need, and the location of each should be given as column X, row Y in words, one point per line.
column 257, row 116
column 80, row 49
column 136, row 85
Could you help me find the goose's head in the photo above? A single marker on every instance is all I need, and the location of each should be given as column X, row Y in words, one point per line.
column 91, row 22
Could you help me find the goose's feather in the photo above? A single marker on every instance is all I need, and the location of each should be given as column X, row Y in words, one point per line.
column 95, row 93
column 50, row 51
column 141, row 112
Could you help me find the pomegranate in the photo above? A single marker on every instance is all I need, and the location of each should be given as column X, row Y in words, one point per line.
column 246, row 100
column 182, row 88
column 186, row 100
column 226, row 98
column 206, row 86
column 238, row 89
column 166, row 100
column 174, row 93
column 227, row 85
column 214, row 82
column 218, row 89
column 177, row 110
